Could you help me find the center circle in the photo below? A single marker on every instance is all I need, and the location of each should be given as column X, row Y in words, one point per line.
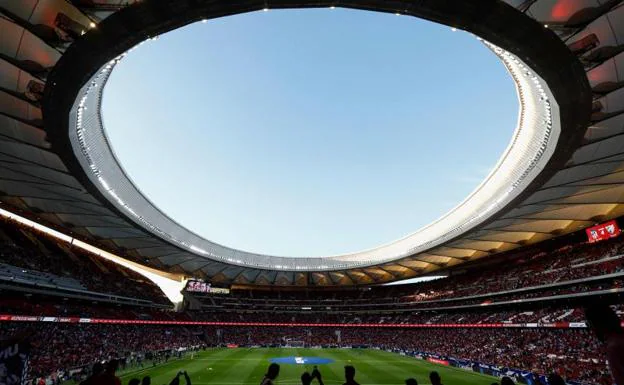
column 293, row 360
column 315, row 132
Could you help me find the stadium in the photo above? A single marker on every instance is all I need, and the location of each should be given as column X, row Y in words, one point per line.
column 520, row 281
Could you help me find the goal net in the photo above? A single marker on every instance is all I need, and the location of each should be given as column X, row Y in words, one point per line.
column 291, row 343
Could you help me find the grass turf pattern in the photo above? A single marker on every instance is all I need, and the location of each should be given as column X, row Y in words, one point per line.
column 246, row 366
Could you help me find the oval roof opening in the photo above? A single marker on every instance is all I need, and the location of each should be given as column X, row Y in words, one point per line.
column 309, row 132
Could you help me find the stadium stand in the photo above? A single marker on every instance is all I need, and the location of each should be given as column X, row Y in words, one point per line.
column 33, row 259
column 365, row 317
column 510, row 309
column 66, row 347
column 575, row 354
column 15, row 303
column 581, row 269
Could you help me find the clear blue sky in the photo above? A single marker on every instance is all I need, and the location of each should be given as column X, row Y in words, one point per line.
column 309, row 132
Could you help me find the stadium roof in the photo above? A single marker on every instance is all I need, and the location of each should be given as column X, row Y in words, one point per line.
column 562, row 173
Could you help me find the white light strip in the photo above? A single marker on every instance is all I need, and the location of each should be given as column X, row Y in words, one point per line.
column 170, row 287
column 36, row 226
column 532, row 145
column 416, row 280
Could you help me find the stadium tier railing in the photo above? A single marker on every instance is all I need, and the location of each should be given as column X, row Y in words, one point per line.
column 233, row 302
column 56, row 319
column 21, row 284
column 390, row 307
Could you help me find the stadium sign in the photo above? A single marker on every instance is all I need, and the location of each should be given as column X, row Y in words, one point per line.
column 203, row 287
column 438, row 361
column 603, row 231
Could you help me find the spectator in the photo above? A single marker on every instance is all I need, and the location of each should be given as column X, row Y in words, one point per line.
column 411, row 381
column 536, row 379
column 435, row 379
column 176, row 379
column 555, row 379
column 306, row 378
column 271, row 374
column 96, row 371
column 134, row 381
column 316, row 374
column 350, row 375
column 109, row 377
column 506, row 381
column 605, row 323
column 147, row 380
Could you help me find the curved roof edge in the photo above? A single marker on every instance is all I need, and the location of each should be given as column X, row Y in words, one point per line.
column 532, row 145
column 553, row 75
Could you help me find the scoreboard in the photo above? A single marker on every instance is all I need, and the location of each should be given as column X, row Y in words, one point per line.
column 194, row 286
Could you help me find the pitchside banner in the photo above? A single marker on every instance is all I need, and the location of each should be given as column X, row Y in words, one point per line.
column 517, row 375
column 14, row 361
column 603, row 231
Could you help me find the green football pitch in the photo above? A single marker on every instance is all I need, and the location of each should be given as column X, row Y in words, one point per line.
column 244, row 366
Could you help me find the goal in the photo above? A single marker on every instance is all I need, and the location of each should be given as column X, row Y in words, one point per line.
column 290, row 343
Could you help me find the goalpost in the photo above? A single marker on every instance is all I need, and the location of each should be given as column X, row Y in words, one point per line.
column 292, row 343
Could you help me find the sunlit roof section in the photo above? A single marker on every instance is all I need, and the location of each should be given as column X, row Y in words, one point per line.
column 170, row 284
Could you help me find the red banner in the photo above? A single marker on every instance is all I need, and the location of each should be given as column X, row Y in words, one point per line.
column 603, row 231
column 28, row 318
column 437, row 361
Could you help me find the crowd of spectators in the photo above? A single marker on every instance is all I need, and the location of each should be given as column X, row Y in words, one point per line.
column 65, row 346
column 524, row 270
column 25, row 248
column 390, row 304
column 28, row 305
column 541, row 315
column 528, row 270
column 575, row 354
